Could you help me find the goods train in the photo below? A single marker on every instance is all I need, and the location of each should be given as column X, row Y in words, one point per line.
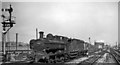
column 52, row 49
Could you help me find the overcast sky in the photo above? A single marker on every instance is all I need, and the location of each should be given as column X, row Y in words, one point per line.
column 81, row 20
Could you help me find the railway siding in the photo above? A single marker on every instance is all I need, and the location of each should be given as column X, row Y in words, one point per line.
column 106, row 58
column 79, row 60
column 116, row 56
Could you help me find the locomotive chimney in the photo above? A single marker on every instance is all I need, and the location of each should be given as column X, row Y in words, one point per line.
column 41, row 33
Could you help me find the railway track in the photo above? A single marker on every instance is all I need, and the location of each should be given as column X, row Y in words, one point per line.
column 118, row 61
column 102, row 59
column 117, row 51
column 91, row 60
column 116, row 56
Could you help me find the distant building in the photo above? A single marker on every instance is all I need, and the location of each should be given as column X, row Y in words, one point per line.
column 20, row 48
column 99, row 44
column 89, row 47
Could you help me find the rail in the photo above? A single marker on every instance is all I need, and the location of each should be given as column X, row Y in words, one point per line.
column 92, row 60
column 114, row 56
column 95, row 60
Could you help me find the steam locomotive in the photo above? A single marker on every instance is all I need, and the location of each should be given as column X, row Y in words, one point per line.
column 54, row 48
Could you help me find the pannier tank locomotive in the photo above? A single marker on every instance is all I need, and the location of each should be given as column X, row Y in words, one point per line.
column 52, row 49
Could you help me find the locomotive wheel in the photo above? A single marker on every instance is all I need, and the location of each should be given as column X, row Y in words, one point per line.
column 50, row 61
column 59, row 59
column 62, row 59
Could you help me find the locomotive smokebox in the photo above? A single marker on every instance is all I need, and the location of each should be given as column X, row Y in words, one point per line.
column 41, row 33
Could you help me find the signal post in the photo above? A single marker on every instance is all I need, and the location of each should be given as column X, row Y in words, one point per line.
column 7, row 24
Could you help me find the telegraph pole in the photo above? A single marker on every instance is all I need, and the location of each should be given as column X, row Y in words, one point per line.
column 7, row 25
column 89, row 43
column 116, row 45
column 89, row 40
column 16, row 40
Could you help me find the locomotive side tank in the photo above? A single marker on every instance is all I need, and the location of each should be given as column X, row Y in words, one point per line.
column 55, row 47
